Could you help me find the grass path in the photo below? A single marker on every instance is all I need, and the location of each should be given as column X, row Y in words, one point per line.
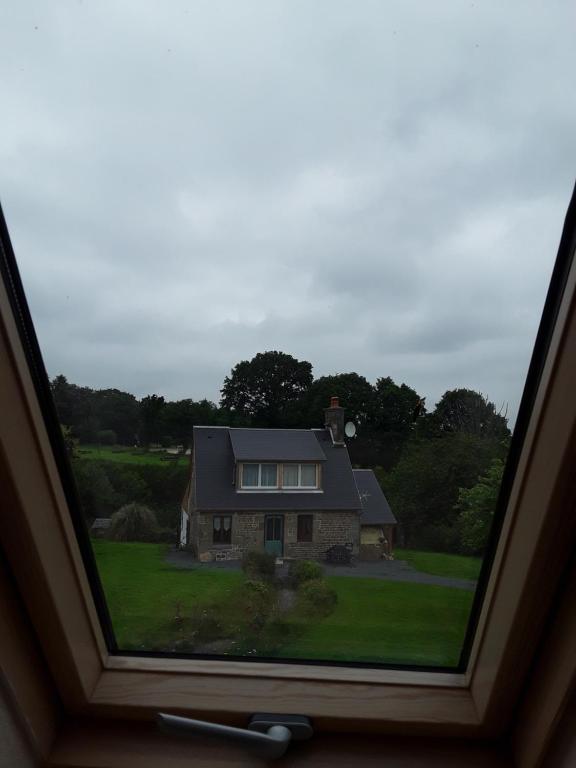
column 439, row 564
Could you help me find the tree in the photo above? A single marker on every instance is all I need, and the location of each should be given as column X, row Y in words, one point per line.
column 95, row 491
column 354, row 391
column 477, row 506
column 423, row 488
column 181, row 416
column 117, row 411
column 396, row 411
column 150, row 409
column 75, row 408
column 266, row 388
column 464, row 410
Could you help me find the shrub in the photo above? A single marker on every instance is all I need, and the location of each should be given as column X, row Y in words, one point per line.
column 304, row 570
column 106, row 437
column 317, row 597
column 133, row 522
column 259, row 565
column 205, row 624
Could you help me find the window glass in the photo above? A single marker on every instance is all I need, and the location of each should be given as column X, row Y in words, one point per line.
column 222, row 530
column 290, row 475
column 305, row 525
column 308, row 475
column 250, row 474
column 315, row 236
column 269, row 475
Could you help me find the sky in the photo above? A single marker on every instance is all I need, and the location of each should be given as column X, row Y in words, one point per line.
column 372, row 186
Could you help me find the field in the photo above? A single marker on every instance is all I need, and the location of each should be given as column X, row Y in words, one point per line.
column 125, row 455
column 374, row 620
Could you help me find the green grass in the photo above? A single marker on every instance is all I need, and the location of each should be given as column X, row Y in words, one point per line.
column 143, row 592
column 125, row 455
column 388, row 622
column 374, row 620
column 439, row 564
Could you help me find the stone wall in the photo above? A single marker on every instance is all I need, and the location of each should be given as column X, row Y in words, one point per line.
column 329, row 528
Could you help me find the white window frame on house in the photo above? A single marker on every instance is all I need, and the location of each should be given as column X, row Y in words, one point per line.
column 299, row 484
column 532, row 558
column 260, row 486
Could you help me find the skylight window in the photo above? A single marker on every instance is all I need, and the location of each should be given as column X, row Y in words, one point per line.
column 284, row 425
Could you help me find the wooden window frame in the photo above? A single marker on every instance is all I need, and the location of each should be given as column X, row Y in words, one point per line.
column 310, row 516
column 533, row 551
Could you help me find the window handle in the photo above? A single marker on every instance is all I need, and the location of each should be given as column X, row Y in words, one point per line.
column 267, row 736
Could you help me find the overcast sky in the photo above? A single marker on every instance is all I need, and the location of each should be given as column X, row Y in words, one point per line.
column 373, row 186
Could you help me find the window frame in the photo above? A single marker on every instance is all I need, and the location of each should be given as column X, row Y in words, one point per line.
column 44, row 552
column 299, row 486
column 222, row 528
column 259, row 487
column 309, row 516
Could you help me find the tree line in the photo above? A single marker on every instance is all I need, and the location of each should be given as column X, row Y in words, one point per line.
column 425, row 461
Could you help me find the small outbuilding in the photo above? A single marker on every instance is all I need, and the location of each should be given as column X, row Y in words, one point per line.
column 377, row 522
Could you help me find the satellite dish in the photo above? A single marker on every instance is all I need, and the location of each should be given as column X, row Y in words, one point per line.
column 350, row 429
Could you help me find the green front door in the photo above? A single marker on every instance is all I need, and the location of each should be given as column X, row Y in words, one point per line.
column 273, row 534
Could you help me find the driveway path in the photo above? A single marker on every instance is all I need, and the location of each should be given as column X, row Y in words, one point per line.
column 388, row 570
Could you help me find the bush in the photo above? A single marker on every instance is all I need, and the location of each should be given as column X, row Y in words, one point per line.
column 317, row 597
column 260, row 597
column 106, row 437
column 205, row 624
column 304, row 570
column 134, row 522
column 259, row 565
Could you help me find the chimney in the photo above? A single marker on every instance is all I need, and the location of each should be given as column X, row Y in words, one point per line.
column 334, row 421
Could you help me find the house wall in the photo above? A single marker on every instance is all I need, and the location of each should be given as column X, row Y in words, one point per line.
column 329, row 528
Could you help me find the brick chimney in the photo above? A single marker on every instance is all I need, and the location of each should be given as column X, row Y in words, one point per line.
column 334, row 421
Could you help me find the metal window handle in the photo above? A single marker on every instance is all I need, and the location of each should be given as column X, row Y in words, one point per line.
column 267, row 736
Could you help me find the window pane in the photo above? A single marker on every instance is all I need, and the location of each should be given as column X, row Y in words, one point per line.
column 290, row 472
column 305, row 528
column 308, row 475
column 269, row 475
column 312, row 241
column 250, row 475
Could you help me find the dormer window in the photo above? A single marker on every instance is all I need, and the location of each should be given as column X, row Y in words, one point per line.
column 300, row 476
column 271, row 476
column 259, row 476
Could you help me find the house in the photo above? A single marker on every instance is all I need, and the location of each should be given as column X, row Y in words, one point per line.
column 290, row 492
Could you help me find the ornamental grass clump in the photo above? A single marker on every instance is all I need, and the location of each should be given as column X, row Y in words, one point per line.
column 134, row 522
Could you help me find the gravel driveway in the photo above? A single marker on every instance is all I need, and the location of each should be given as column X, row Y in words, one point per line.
column 388, row 570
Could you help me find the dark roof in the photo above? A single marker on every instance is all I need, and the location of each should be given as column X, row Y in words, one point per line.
column 375, row 507
column 275, row 445
column 214, row 468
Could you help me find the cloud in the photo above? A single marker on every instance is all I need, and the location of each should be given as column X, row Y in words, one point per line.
column 374, row 187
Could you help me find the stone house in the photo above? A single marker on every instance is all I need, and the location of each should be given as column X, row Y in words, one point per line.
column 290, row 492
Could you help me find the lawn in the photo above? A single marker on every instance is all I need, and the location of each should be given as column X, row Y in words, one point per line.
column 126, row 455
column 374, row 620
column 143, row 592
column 388, row 622
column 439, row 564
